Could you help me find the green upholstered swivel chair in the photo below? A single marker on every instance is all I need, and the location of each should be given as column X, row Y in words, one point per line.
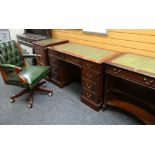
column 15, row 71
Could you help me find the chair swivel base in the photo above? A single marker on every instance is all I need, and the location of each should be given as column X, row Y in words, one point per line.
column 30, row 98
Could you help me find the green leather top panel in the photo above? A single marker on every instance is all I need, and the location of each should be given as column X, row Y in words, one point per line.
column 136, row 62
column 51, row 41
column 87, row 52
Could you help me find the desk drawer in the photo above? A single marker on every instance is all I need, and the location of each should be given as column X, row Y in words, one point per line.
column 93, row 66
column 54, row 61
column 130, row 75
column 73, row 60
column 90, row 76
column 93, row 76
column 51, row 55
column 89, row 95
column 52, row 52
column 89, row 85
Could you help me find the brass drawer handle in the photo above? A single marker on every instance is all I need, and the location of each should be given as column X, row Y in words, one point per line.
column 116, row 71
column 147, row 83
column 89, row 75
column 145, row 79
column 89, row 86
column 88, row 95
column 89, row 65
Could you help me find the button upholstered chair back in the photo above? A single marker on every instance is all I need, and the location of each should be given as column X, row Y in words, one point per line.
column 10, row 54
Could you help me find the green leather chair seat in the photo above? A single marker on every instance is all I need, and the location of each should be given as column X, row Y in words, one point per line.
column 33, row 74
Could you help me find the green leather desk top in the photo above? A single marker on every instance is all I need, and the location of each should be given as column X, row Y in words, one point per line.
column 137, row 62
column 52, row 41
column 85, row 52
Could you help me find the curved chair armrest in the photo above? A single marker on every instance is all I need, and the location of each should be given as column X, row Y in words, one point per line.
column 4, row 67
column 11, row 67
column 30, row 55
column 37, row 56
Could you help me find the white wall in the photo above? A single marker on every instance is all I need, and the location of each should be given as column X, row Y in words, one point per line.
column 14, row 32
column 4, row 35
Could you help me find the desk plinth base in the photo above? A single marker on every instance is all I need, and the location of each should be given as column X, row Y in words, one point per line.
column 60, row 84
column 93, row 105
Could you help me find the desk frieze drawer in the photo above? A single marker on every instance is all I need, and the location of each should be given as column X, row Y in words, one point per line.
column 130, row 75
column 92, row 66
column 73, row 60
column 52, row 52
column 53, row 56
column 54, row 61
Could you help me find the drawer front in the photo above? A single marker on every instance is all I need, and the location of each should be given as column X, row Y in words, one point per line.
column 53, row 53
column 90, row 96
column 89, row 85
column 73, row 60
column 54, row 61
column 142, row 79
column 90, row 76
column 93, row 66
column 96, row 87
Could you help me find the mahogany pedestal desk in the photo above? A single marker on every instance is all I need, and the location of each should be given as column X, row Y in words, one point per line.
column 130, row 85
column 90, row 60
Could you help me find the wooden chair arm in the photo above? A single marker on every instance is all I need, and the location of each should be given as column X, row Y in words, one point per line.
column 5, row 67
column 37, row 56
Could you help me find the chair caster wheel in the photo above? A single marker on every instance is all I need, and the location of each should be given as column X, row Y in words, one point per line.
column 104, row 108
column 50, row 94
column 29, row 105
column 12, row 100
